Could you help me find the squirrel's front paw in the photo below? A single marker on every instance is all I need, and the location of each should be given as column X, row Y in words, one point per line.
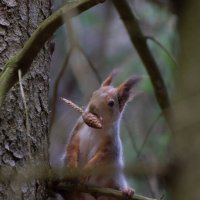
column 129, row 192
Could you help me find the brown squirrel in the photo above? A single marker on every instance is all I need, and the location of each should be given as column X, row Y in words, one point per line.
column 88, row 147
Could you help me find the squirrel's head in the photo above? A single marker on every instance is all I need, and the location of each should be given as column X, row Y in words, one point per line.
column 108, row 102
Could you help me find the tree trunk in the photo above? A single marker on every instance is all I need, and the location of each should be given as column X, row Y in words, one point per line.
column 186, row 140
column 18, row 19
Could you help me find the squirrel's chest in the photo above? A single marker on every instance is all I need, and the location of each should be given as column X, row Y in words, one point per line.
column 90, row 140
column 93, row 140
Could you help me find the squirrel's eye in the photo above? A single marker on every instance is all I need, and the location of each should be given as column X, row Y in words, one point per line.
column 111, row 103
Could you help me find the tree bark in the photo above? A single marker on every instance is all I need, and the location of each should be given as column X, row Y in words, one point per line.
column 18, row 19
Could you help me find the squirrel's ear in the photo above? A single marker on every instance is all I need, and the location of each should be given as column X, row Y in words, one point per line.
column 109, row 79
column 124, row 90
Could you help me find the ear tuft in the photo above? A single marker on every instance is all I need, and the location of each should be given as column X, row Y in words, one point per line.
column 124, row 90
column 109, row 79
column 132, row 81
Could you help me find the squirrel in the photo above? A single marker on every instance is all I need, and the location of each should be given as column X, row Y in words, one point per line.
column 88, row 148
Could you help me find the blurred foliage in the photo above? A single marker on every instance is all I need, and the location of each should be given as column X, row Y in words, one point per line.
column 101, row 34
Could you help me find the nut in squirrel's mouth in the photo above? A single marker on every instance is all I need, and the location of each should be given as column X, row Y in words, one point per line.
column 92, row 120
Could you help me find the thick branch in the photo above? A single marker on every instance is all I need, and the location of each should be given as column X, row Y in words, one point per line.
column 23, row 59
column 139, row 41
column 94, row 190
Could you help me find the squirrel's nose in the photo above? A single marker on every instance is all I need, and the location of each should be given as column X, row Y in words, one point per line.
column 95, row 111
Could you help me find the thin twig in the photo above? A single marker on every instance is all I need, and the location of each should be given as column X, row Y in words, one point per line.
column 26, row 113
column 131, row 136
column 76, row 45
column 147, row 135
column 137, row 153
column 163, row 48
column 56, row 86
column 90, row 63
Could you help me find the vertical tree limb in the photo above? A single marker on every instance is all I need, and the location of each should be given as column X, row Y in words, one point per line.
column 139, row 41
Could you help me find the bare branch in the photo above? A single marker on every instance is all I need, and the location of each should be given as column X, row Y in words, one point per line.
column 148, row 134
column 56, row 85
column 163, row 48
column 76, row 46
column 139, row 41
column 94, row 190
